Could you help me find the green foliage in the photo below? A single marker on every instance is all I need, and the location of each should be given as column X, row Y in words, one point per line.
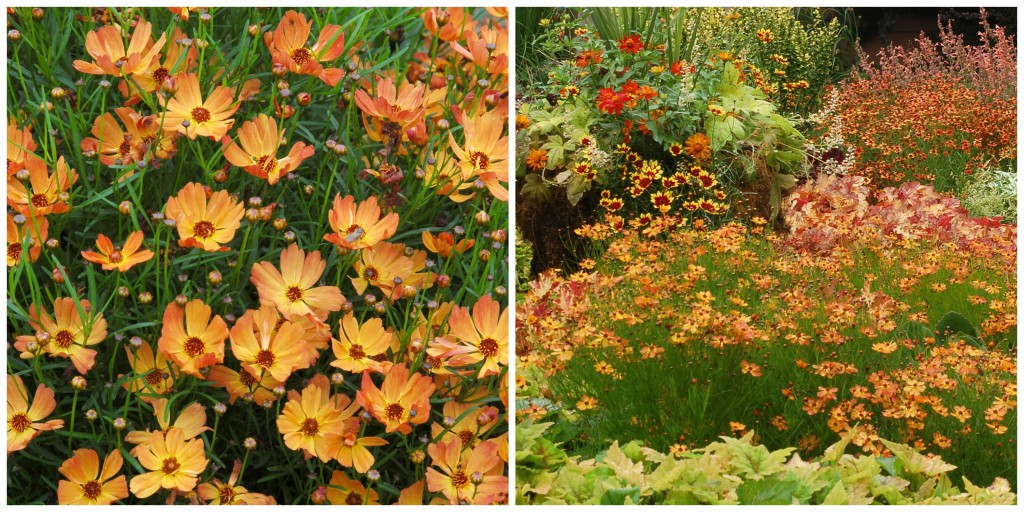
column 992, row 193
column 738, row 472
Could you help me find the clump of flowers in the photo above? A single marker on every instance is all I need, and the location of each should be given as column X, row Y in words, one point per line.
column 257, row 256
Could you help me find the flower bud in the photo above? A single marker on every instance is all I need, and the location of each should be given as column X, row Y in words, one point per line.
column 58, row 276
column 443, row 281
column 78, row 383
column 123, row 292
column 219, row 409
column 319, row 496
column 482, row 218
column 38, row 13
column 135, row 342
column 181, row 300
column 278, row 70
column 289, row 236
column 370, row 299
column 373, row 475
column 125, row 207
column 214, row 277
column 58, row 93
column 417, row 457
column 120, row 424
column 14, row 35
column 252, row 215
column 380, row 308
column 249, row 444
column 341, row 150
column 91, row 415
column 304, row 98
column 145, row 297
column 280, row 223
column 443, row 124
column 220, row 176
column 254, row 30
column 416, row 346
column 169, row 86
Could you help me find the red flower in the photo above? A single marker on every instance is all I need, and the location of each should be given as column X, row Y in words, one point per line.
column 631, row 44
column 611, row 102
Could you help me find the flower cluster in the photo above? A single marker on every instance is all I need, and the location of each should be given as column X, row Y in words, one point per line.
column 349, row 334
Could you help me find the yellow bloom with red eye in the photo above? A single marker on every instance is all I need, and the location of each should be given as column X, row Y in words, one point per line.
column 256, row 151
column 765, row 35
column 311, row 422
column 483, row 336
column 87, row 483
column 357, row 345
column 106, row 47
column 264, row 342
column 25, row 422
column 173, row 463
column 345, row 491
column 288, row 47
column 359, row 226
column 381, row 264
column 465, row 475
column 662, row 200
column 189, row 114
column 43, row 194
column 484, row 151
column 242, row 383
column 291, row 289
column 400, row 402
column 191, row 421
column 220, row 493
column 192, row 337
column 443, row 243
column 70, row 331
column 35, row 230
column 120, row 260
column 155, row 374
column 586, row 403
column 204, row 223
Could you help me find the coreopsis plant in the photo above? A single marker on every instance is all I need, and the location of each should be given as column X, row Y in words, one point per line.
column 242, row 247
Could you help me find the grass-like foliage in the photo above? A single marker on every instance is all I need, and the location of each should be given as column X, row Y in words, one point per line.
column 257, row 255
column 886, row 319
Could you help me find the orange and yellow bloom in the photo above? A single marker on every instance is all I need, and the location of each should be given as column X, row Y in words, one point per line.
column 402, row 400
column 173, row 463
column 25, row 422
column 291, row 289
column 190, row 115
column 120, row 260
column 204, row 221
column 256, row 150
column 89, row 484
column 359, row 226
column 191, row 338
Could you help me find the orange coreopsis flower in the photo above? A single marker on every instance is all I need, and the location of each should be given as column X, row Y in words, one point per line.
column 311, row 422
column 263, row 342
column 381, row 264
column 25, row 422
column 358, row 344
column 698, row 146
column 359, row 226
column 87, row 483
column 487, row 50
column 458, row 25
column 219, row 493
column 140, row 136
column 400, row 402
column 205, row 224
column 465, row 476
column 485, row 151
column 472, row 420
column 70, row 332
column 20, row 147
column 153, row 77
column 242, row 383
column 484, row 336
column 259, row 140
column 345, row 491
column 191, row 338
column 352, row 449
column 188, row 114
column 110, row 57
column 43, row 195
column 288, row 47
column 34, row 230
column 120, row 260
column 393, row 111
column 173, row 463
column 444, row 243
column 292, row 289
column 155, row 375
column 191, row 421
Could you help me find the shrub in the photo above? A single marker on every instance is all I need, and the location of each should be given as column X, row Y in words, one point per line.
column 936, row 113
column 992, row 193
